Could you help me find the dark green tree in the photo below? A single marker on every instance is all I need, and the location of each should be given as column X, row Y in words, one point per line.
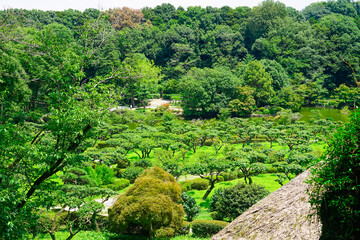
column 190, row 207
column 336, row 185
column 231, row 202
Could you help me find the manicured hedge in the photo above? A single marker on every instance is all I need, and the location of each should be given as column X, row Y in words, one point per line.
column 194, row 184
column 119, row 184
column 184, row 229
column 164, row 233
column 204, row 228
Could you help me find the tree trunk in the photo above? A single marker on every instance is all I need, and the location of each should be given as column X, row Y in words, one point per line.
column 250, row 180
column 151, row 232
column 72, row 234
column 194, row 148
column 52, row 235
column 212, row 185
column 95, row 223
column 132, row 100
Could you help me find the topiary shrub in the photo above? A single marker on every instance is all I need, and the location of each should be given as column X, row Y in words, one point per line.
column 184, row 229
column 228, row 176
column 119, row 184
column 164, row 233
column 233, row 201
column 205, row 228
column 144, row 163
column 272, row 170
column 194, row 184
column 131, row 173
column 150, row 204
column 123, row 163
column 185, row 186
column 199, row 184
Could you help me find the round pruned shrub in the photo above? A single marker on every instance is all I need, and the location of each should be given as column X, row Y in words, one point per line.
column 150, row 204
column 144, row 163
column 164, row 233
column 194, row 184
column 228, row 176
column 131, row 173
column 205, row 228
column 119, row 184
column 184, row 229
column 233, row 201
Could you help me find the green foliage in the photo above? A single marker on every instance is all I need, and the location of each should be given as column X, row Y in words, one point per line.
column 142, row 163
column 119, row 184
column 206, row 91
column 244, row 103
column 190, row 207
column 205, row 228
column 233, row 201
column 150, row 204
column 258, row 79
column 105, row 174
column 195, row 184
column 199, row 184
column 78, row 176
column 164, row 233
column 61, row 71
column 335, row 183
column 208, row 168
column 184, row 229
column 131, row 173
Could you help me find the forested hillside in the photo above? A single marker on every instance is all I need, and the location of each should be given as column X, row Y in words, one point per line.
column 75, row 130
column 289, row 58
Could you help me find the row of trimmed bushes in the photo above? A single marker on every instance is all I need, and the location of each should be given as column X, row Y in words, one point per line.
column 205, row 228
column 200, row 228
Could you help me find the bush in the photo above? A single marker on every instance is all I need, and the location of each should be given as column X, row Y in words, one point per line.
column 164, row 233
column 184, row 229
column 195, row 184
column 228, row 176
column 150, row 204
column 119, row 184
column 233, row 201
column 166, row 96
column 190, row 207
column 132, row 173
column 123, row 163
column 272, row 170
column 205, row 228
column 143, row 163
column 105, row 174
column 215, row 216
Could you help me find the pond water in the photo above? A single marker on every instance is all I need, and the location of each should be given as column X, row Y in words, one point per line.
column 336, row 114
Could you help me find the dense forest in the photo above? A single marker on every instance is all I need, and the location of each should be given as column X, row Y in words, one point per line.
column 209, row 55
column 61, row 72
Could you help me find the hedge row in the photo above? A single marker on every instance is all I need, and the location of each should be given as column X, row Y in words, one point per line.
column 204, row 228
